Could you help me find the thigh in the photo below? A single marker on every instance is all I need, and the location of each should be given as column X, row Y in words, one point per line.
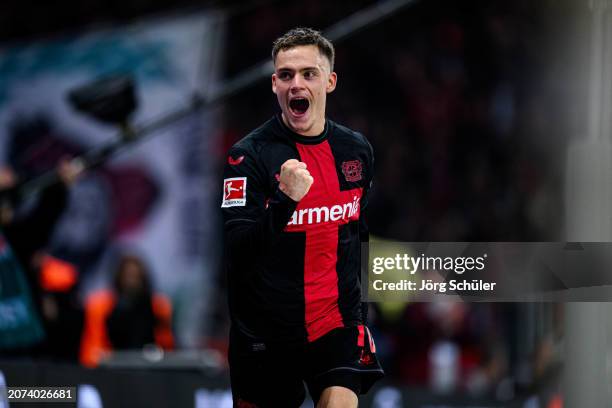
column 335, row 396
column 344, row 357
column 264, row 378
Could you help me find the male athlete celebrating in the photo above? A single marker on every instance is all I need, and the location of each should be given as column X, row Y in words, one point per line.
column 294, row 192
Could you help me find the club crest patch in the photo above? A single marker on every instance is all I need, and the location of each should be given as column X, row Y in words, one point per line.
column 352, row 170
column 234, row 192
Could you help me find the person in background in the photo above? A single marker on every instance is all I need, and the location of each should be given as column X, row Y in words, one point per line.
column 29, row 231
column 28, row 227
column 128, row 316
column 61, row 310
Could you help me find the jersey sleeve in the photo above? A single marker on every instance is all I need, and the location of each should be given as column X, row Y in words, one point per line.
column 253, row 216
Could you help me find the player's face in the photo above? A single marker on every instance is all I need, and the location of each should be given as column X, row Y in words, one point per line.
column 301, row 82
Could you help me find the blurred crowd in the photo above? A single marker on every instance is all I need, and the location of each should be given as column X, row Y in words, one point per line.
column 127, row 315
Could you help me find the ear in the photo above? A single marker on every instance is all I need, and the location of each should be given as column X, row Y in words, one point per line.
column 274, row 83
column 331, row 82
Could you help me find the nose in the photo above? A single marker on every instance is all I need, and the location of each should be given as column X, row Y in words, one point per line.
column 297, row 83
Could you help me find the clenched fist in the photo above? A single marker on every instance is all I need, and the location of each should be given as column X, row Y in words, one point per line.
column 295, row 180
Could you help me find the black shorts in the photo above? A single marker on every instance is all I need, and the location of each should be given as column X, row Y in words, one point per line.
column 273, row 375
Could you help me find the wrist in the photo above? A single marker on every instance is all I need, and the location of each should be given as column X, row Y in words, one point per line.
column 284, row 196
column 285, row 190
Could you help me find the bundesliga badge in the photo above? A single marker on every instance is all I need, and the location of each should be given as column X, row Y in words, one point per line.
column 234, row 192
column 352, row 170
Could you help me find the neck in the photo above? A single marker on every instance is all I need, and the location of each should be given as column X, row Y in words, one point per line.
column 317, row 128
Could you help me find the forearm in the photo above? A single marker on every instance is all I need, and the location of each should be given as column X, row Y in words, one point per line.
column 252, row 235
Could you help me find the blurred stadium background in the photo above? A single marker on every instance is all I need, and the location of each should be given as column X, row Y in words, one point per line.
column 475, row 110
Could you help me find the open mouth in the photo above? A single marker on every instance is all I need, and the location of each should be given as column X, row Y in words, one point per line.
column 299, row 106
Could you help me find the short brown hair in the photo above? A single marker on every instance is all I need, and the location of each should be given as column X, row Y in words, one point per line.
column 304, row 36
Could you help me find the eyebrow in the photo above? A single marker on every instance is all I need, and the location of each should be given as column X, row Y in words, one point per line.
column 286, row 69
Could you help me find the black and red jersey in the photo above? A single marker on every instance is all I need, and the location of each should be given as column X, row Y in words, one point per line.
column 294, row 268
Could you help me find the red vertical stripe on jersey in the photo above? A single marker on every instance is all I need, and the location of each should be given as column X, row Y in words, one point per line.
column 360, row 337
column 321, row 252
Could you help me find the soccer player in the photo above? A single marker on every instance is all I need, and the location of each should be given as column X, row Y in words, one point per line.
column 293, row 198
